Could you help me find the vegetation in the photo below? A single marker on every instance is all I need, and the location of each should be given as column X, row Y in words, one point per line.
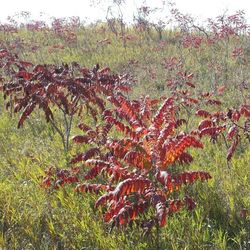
column 161, row 111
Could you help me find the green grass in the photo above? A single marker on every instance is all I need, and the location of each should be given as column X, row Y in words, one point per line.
column 32, row 218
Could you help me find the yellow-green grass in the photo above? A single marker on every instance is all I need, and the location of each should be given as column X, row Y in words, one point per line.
column 32, row 218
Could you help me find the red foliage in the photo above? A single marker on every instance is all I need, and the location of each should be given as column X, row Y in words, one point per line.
column 232, row 132
column 232, row 149
column 218, row 122
column 203, row 113
column 133, row 164
column 93, row 188
column 46, row 86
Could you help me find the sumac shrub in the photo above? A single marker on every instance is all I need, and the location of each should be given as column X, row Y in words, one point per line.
column 70, row 89
column 139, row 169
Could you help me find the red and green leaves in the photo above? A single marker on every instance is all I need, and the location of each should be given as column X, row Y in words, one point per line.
column 132, row 166
column 175, row 182
column 176, row 148
column 122, row 212
column 232, row 132
column 132, row 170
column 136, row 185
column 232, row 148
column 47, row 86
column 161, row 213
column 231, row 126
column 85, row 156
column 26, row 112
column 92, row 188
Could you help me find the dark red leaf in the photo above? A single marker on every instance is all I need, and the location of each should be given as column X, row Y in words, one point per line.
column 232, row 148
column 232, row 132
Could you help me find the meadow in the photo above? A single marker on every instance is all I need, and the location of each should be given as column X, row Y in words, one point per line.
column 112, row 79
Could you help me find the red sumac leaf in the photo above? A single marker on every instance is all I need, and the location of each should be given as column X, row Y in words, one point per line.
column 72, row 179
column 185, row 158
column 39, row 69
column 245, row 111
column 128, row 212
column 129, row 111
column 232, row 132
column 130, row 185
column 161, row 213
column 212, row 131
column 213, row 102
column 236, row 115
column 80, row 139
column 92, row 188
column 25, row 75
column 94, row 162
column 174, row 150
column 203, row 113
column 174, row 206
column 145, row 110
column 3, row 53
column 189, row 203
column 205, row 124
column 189, row 178
column 46, row 182
column 158, row 118
column 190, row 84
column 85, row 156
column 27, row 111
column 115, row 208
column 165, row 133
column 98, row 166
column 192, row 100
column 180, row 122
column 51, row 88
column 137, row 159
column 163, row 177
column 104, row 199
column 91, row 153
column 232, row 148
column 233, row 115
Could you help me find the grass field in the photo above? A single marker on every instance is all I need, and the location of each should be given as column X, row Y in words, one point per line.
column 32, row 217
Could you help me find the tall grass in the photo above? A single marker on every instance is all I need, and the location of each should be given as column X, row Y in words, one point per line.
column 32, row 218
